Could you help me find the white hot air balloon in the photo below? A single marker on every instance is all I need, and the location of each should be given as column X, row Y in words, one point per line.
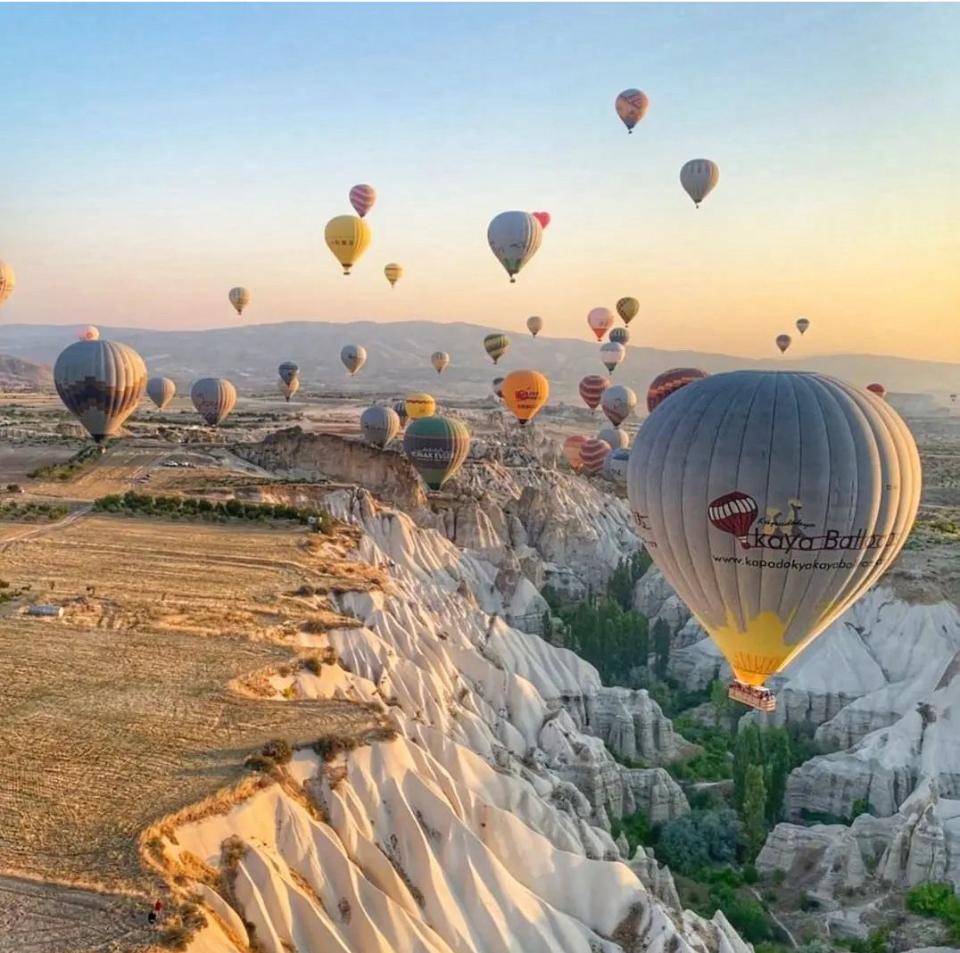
column 514, row 238
column 612, row 355
column 699, row 177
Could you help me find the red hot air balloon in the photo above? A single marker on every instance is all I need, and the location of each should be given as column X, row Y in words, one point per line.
column 877, row 389
column 591, row 389
column 734, row 513
column 593, row 452
column 669, row 382
column 542, row 217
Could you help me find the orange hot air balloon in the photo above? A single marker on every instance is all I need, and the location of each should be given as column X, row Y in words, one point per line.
column 525, row 393
column 571, row 450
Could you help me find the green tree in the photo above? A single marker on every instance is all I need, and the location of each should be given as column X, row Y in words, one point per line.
column 754, row 811
column 746, row 751
column 661, row 647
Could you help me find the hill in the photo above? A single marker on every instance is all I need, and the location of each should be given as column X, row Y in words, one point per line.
column 17, row 374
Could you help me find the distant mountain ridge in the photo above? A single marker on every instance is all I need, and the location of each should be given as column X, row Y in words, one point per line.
column 17, row 374
column 399, row 357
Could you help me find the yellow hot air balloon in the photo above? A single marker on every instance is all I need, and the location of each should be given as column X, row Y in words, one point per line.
column 394, row 273
column 347, row 236
column 8, row 281
column 420, row 405
column 525, row 393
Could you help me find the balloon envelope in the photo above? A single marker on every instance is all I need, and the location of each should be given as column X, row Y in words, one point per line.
column 616, row 465
column 379, row 425
column 394, row 273
column 771, row 502
column 628, row 308
column 496, row 345
column 631, row 106
column 593, row 453
column 514, row 238
column 347, row 237
column 783, row 342
column 420, row 405
column 100, row 383
column 8, row 281
column 877, row 389
column 362, row 198
column 803, row 324
column 439, row 360
column 571, row 450
column 437, row 447
column 618, row 403
column 88, row 333
column 400, row 408
column 161, row 391
column 239, row 298
column 617, row 438
column 699, row 178
column 542, row 217
column 213, row 398
column 289, row 388
column 288, row 370
column 619, row 335
column 600, row 321
column 534, row 324
column 353, row 357
column 612, row 355
column 670, row 382
column 591, row 389
column 525, row 393
column 498, row 387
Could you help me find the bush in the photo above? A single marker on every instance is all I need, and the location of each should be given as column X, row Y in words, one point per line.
column 700, row 839
column 278, row 750
column 635, row 827
column 260, row 762
column 937, row 900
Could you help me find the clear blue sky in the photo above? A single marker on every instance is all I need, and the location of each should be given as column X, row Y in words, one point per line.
column 153, row 156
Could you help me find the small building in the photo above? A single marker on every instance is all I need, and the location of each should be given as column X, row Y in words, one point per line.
column 45, row 610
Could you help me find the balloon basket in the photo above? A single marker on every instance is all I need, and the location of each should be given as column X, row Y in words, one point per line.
column 760, row 698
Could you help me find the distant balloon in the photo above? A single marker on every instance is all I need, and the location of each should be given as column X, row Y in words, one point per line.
column 161, row 391
column 514, row 238
column 394, row 273
column 534, row 324
column 802, row 325
column 617, row 438
column 525, row 393
column 593, row 453
column 88, row 333
column 100, row 383
column 347, row 237
column 353, row 357
column 618, row 403
column 571, row 450
column 771, row 501
column 620, row 336
column 591, row 389
column 362, row 198
column 699, row 177
column 631, row 106
column 288, row 371
column 600, row 321
column 239, row 298
column 542, row 217
column 379, row 425
column 439, row 360
column 420, row 405
column 612, row 355
column 877, row 389
column 616, row 465
column 669, row 382
column 496, row 345
column 400, row 408
column 628, row 308
column 8, row 281
column 289, row 388
column 498, row 387
column 783, row 342
column 213, row 398
column 437, row 447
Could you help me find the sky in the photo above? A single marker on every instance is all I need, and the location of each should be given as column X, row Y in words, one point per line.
column 154, row 156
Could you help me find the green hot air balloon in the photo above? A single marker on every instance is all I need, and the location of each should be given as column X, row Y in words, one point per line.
column 437, row 447
column 100, row 383
column 496, row 345
column 161, row 391
column 214, row 398
column 379, row 425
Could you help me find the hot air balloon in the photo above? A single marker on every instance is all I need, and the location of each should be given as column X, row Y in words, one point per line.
column 619, row 336
column 571, row 450
column 600, row 321
column 161, row 391
column 498, row 387
column 618, row 403
column 419, row 406
column 100, row 383
column 783, row 342
column 771, row 502
column 525, row 393
column 213, row 398
column 514, row 238
column 362, row 198
column 802, row 325
column 534, row 324
column 669, row 382
column 591, row 389
column 88, row 333
column 617, row 438
column 289, row 379
column 347, row 237
column 877, row 389
column 8, row 281
column 616, row 465
column 437, row 447
column 289, row 388
column 593, row 453
column 612, row 355
column 699, row 177
column 631, row 106
column 353, row 357
column 496, row 345
column 400, row 408
column 439, row 360
column 379, row 425
column 542, row 217
column 239, row 298
column 394, row 272
column 628, row 308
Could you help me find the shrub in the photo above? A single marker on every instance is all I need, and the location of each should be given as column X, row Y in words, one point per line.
column 278, row 750
column 937, row 900
column 635, row 827
column 699, row 839
column 260, row 762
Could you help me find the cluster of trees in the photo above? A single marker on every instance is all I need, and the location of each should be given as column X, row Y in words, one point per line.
column 81, row 460
column 146, row 504
column 32, row 512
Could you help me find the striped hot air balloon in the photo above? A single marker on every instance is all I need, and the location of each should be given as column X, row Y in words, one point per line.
column 400, row 408
column 669, row 382
column 362, row 198
column 420, row 405
column 593, row 452
column 239, row 298
column 591, row 389
column 496, row 345
column 514, row 238
column 161, row 391
column 379, row 425
column 213, row 398
column 437, row 447
column 393, row 272
column 439, row 360
column 699, row 177
column 571, row 450
column 618, row 403
column 619, row 336
column 612, row 355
